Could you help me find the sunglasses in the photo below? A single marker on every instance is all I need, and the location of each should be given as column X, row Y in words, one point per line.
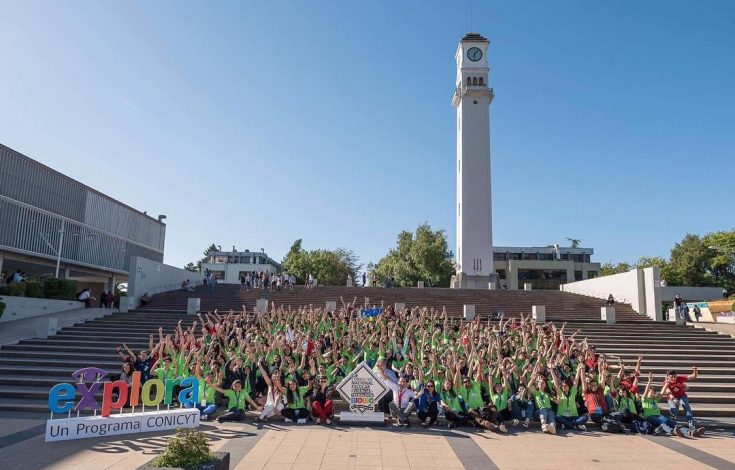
column 430, row 386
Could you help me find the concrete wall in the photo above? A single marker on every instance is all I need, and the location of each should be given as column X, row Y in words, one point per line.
column 690, row 294
column 652, row 277
column 152, row 277
column 18, row 308
column 642, row 289
column 625, row 287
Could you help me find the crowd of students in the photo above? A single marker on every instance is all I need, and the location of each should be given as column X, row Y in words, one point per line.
column 512, row 372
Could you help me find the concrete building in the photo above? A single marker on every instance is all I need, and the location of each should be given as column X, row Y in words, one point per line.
column 227, row 266
column 544, row 267
column 472, row 98
column 51, row 224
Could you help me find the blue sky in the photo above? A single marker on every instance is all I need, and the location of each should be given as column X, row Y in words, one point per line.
column 256, row 123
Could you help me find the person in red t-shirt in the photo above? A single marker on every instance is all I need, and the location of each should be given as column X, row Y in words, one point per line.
column 675, row 389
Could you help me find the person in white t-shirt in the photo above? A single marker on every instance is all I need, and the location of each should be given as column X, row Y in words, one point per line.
column 403, row 404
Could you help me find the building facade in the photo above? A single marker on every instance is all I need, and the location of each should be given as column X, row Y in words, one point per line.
column 228, row 266
column 472, row 98
column 544, row 267
column 50, row 222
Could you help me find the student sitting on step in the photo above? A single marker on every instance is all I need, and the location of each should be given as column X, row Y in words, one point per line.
column 237, row 401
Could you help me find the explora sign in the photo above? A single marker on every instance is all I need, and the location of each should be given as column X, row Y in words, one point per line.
column 89, row 380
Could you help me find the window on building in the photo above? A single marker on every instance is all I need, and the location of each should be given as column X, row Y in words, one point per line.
column 219, row 275
column 530, row 256
column 245, row 259
column 543, row 278
column 516, row 256
column 459, row 166
column 501, row 273
column 577, row 275
column 474, row 80
column 482, row 80
column 500, row 256
column 546, row 256
column 459, row 209
column 220, row 259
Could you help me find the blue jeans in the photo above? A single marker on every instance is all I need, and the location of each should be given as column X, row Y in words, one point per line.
column 521, row 412
column 205, row 410
column 674, row 408
column 572, row 421
column 546, row 415
column 609, row 402
column 659, row 420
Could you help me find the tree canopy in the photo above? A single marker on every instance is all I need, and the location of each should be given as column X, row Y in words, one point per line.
column 197, row 267
column 330, row 267
column 698, row 261
column 420, row 256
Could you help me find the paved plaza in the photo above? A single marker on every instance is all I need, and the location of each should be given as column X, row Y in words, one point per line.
column 280, row 446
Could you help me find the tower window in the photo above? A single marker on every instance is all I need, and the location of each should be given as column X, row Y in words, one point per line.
column 482, row 80
column 459, row 209
column 474, row 101
column 474, row 80
column 459, row 166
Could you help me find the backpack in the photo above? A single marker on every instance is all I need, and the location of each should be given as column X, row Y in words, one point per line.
column 642, row 427
column 612, row 424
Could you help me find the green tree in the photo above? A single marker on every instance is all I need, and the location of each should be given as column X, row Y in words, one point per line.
column 197, row 267
column 420, row 256
column 330, row 267
column 689, row 263
column 609, row 268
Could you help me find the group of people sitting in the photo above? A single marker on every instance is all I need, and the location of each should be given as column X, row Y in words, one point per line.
column 489, row 374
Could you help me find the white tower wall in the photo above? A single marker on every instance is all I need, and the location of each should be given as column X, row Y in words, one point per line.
column 472, row 99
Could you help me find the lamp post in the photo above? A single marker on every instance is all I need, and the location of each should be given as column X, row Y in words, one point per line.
column 57, row 251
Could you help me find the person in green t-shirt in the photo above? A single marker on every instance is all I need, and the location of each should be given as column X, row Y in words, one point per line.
column 566, row 402
column 542, row 395
column 499, row 396
column 237, row 398
column 651, row 413
column 295, row 409
column 207, row 404
column 453, row 405
column 480, row 415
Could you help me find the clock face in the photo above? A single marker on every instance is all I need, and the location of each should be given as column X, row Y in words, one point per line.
column 474, row 54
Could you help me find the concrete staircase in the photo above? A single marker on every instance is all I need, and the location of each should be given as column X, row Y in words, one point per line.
column 30, row 368
column 559, row 305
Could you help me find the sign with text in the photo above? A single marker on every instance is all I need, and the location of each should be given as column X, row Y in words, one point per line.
column 362, row 389
column 128, row 423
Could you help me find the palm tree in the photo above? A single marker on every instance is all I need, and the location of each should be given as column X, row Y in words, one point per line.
column 574, row 242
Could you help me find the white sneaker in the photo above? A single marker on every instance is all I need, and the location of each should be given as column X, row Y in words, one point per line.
column 302, row 421
column 288, row 420
column 329, row 421
column 582, row 427
column 318, row 421
column 544, row 428
column 515, row 422
column 502, row 428
column 551, row 428
column 526, row 423
column 667, row 429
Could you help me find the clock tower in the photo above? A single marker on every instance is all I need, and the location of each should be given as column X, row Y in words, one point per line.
column 472, row 98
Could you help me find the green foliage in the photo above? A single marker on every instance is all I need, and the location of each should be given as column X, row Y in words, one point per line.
column 609, row 268
column 197, row 267
column 330, row 267
column 14, row 290
column 187, row 449
column 61, row 289
column 697, row 261
column 420, row 256
column 34, row 289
